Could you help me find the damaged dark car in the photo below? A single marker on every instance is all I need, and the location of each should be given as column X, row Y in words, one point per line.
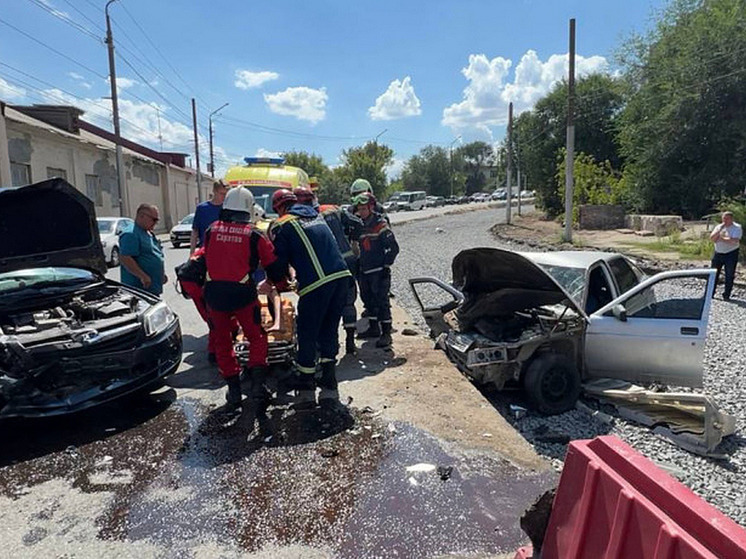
column 551, row 322
column 69, row 337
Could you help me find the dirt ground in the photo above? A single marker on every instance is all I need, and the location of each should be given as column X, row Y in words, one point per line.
column 427, row 391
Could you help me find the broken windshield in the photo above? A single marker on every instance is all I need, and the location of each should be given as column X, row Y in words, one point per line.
column 572, row 280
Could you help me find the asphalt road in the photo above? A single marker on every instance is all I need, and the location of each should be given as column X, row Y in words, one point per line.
column 171, row 475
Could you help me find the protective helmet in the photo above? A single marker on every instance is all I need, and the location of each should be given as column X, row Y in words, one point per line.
column 282, row 198
column 364, row 199
column 360, row 186
column 305, row 195
column 239, row 199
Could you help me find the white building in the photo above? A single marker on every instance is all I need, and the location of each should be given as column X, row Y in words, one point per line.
column 43, row 141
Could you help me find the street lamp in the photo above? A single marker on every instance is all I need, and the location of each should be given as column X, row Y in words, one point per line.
column 212, row 157
column 450, row 152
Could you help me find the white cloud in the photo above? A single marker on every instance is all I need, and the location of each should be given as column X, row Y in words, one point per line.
column 123, row 83
column 262, row 152
column 398, row 101
column 394, row 170
column 486, row 98
column 249, row 80
column 9, row 92
column 303, row 103
column 80, row 79
column 139, row 120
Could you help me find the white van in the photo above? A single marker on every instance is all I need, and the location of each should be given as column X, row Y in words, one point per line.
column 411, row 201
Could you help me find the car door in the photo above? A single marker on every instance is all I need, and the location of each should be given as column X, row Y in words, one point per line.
column 655, row 332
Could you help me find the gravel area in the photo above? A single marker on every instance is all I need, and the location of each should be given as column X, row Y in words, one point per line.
column 427, row 248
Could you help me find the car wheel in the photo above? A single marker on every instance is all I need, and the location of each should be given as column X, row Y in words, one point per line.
column 114, row 262
column 552, row 383
column 176, row 245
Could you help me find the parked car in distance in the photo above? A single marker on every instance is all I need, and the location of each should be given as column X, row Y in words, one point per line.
column 392, row 204
column 182, row 231
column 499, row 194
column 69, row 337
column 546, row 322
column 435, row 201
column 463, row 200
column 109, row 230
column 527, row 194
column 412, row 201
column 452, row 200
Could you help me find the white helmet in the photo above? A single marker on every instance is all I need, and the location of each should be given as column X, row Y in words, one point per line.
column 239, row 199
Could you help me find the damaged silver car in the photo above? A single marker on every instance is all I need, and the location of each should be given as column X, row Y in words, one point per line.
column 548, row 322
column 69, row 337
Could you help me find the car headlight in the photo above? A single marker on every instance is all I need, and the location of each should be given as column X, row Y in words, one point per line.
column 157, row 319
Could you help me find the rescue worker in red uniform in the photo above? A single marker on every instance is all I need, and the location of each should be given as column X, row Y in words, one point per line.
column 234, row 249
column 346, row 229
column 303, row 240
column 191, row 278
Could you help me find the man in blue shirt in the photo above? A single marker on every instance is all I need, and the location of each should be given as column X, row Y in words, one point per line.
column 141, row 254
column 207, row 213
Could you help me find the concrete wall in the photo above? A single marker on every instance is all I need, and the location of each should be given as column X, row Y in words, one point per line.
column 661, row 225
column 172, row 189
column 601, row 216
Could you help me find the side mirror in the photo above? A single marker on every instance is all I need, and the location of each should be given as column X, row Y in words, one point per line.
column 619, row 312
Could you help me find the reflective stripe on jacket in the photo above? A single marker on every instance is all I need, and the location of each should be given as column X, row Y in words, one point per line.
column 303, row 239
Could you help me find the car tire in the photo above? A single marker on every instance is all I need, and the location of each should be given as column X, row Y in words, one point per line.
column 176, row 245
column 552, row 383
column 114, row 260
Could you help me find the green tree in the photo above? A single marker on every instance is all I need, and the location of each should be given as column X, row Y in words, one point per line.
column 310, row 162
column 475, row 157
column 595, row 182
column 430, row 170
column 539, row 134
column 367, row 162
column 683, row 131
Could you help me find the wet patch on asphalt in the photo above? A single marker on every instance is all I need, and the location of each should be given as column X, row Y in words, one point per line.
column 334, row 481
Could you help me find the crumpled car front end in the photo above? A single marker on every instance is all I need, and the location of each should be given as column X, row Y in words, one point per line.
column 69, row 338
column 74, row 350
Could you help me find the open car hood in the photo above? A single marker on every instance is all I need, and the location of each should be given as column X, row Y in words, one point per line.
column 511, row 280
column 49, row 223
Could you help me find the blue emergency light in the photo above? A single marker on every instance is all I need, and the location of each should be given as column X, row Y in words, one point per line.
column 264, row 160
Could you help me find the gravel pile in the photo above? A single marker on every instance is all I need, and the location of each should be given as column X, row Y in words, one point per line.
column 427, row 248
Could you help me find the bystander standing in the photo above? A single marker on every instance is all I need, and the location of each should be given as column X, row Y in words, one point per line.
column 141, row 253
column 727, row 238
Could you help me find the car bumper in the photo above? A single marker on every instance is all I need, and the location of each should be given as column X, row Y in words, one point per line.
column 118, row 373
column 180, row 237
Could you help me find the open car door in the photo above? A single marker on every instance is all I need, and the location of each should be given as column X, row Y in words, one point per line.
column 653, row 333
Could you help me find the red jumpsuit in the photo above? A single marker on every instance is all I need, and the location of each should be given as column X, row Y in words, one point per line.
column 233, row 251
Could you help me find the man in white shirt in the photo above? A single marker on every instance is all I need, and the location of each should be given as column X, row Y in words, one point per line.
column 727, row 238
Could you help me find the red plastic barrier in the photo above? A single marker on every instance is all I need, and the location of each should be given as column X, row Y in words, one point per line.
column 612, row 502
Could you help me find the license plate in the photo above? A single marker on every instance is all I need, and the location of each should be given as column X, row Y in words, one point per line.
column 459, row 342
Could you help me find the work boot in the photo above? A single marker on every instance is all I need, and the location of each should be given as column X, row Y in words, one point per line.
column 259, row 393
column 350, row 348
column 233, row 396
column 385, row 339
column 305, row 392
column 373, row 330
column 329, row 394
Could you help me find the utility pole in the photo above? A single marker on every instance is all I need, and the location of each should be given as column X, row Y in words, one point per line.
column 519, row 190
column 196, row 150
column 450, row 151
column 570, row 155
column 212, row 156
column 509, row 189
column 160, row 136
column 124, row 202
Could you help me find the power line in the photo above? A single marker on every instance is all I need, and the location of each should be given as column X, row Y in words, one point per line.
column 67, row 19
column 155, row 47
column 54, row 50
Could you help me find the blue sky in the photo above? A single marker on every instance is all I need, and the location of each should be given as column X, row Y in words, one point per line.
column 319, row 76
